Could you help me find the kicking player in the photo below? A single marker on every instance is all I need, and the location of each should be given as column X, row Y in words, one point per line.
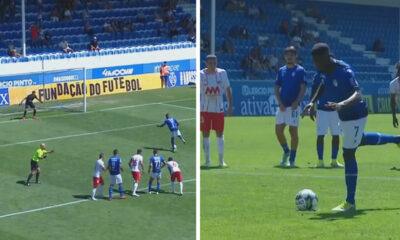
column 326, row 118
column 176, row 174
column 98, row 182
column 290, row 86
column 173, row 126
column 156, row 163
column 336, row 79
column 29, row 104
column 136, row 165
column 115, row 168
column 40, row 153
column 213, row 84
column 395, row 95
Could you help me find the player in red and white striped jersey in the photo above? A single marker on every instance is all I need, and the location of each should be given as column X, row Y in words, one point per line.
column 176, row 174
column 213, row 84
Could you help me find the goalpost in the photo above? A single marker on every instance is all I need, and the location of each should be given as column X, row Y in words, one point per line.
column 60, row 90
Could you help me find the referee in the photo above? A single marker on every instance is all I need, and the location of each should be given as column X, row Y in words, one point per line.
column 29, row 104
column 40, row 153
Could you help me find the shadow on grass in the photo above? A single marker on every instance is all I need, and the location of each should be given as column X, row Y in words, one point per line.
column 85, row 196
column 395, row 168
column 212, row 168
column 333, row 216
column 158, row 149
column 285, row 167
column 22, row 182
column 328, row 167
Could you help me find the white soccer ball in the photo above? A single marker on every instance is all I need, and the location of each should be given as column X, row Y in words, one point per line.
column 306, row 200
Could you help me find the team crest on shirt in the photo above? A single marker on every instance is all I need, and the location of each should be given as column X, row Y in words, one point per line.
column 293, row 74
column 335, row 82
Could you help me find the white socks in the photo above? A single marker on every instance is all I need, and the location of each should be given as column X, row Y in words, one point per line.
column 206, row 148
column 100, row 188
column 93, row 192
column 181, row 185
column 220, row 148
column 173, row 187
column 135, row 185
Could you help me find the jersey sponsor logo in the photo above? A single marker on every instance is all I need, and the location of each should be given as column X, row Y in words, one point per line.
column 4, row 97
column 213, row 91
column 335, row 82
column 117, row 72
column 293, row 74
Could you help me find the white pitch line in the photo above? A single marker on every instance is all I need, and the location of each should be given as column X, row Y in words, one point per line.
column 72, row 203
column 103, row 110
column 304, row 175
column 85, row 134
column 177, row 106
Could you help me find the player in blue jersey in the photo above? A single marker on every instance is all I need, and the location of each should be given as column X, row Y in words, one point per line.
column 115, row 168
column 326, row 118
column 173, row 126
column 155, row 166
column 290, row 86
column 335, row 79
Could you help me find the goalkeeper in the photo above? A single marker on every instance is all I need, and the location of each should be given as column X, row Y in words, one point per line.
column 40, row 153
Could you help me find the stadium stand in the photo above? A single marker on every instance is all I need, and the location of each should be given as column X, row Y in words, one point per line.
column 123, row 26
column 307, row 23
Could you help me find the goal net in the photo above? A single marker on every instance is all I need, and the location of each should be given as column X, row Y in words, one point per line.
column 61, row 90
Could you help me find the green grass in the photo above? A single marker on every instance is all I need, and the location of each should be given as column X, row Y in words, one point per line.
column 253, row 199
column 118, row 121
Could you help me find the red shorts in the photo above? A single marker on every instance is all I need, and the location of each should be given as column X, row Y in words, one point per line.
column 97, row 181
column 176, row 175
column 136, row 176
column 210, row 120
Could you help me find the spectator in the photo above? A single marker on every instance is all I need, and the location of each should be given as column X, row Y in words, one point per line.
column 263, row 39
column 235, row 5
column 228, row 46
column 86, row 15
column 55, row 15
column 284, row 28
column 161, row 31
column 141, row 18
column 67, row 15
column 35, row 40
column 253, row 12
column 158, row 16
column 313, row 11
column 192, row 36
column 88, row 29
column 107, row 27
column 273, row 62
column 12, row 51
column 47, row 39
column 173, row 31
column 378, row 46
column 94, row 45
column 297, row 42
column 65, row 46
column 128, row 25
column 205, row 43
column 247, row 67
column 243, row 32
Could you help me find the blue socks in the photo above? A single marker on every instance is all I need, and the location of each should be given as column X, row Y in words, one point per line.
column 335, row 151
column 158, row 187
column 351, row 173
column 121, row 191
column 320, row 151
column 379, row 139
column 181, row 137
column 110, row 190
column 150, row 186
column 292, row 156
column 285, row 148
column 172, row 142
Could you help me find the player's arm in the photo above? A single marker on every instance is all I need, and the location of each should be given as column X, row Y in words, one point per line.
column 316, row 92
column 38, row 99
column 352, row 100
column 149, row 168
column 300, row 96
column 162, row 164
column 278, row 97
column 120, row 167
column 130, row 163
column 393, row 107
column 22, row 101
column 141, row 166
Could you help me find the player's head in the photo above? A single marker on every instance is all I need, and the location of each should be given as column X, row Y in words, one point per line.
column 43, row 146
column 170, row 159
column 211, row 62
column 167, row 115
column 115, row 152
column 165, row 63
column 321, row 56
column 33, row 92
column 101, row 156
column 290, row 55
column 139, row 151
column 155, row 151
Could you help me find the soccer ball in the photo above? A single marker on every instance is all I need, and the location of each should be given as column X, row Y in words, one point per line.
column 306, row 200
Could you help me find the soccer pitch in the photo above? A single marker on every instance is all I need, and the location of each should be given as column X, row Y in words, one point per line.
column 58, row 208
column 254, row 199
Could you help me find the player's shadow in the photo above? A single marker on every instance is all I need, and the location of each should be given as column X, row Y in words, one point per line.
column 395, row 169
column 327, row 167
column 84, row 196
column 212, row 168
column 347, row 215
column 285, row 167
column 22, row 182
column 158, row 149
column 129, row 192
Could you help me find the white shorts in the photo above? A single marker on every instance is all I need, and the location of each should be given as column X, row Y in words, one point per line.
column 155, row 175
column 352, row 132
column 328, row 119
column 115, row 179
column 288, row 117
column 175, row 133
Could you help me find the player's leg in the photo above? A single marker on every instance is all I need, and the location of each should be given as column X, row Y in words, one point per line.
column 173, row 141
column 100, row 188
column 25, row 111
column 162, row 82
column 158, row 183
column 294, row 142
column 95, row 185
column 374, row 138
column 279, row 132
column 37, row 175
column 180, row 136
column 110, row 189
column 33, row 172
column 150, row 183
column 173, row 183
column 334, row 126
column 136, row 180
column 34, row 113
column 322, row 130
column 180, row 180
column 218, row 124
column 320, row 151
column 352, row 134
column 205, row 127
